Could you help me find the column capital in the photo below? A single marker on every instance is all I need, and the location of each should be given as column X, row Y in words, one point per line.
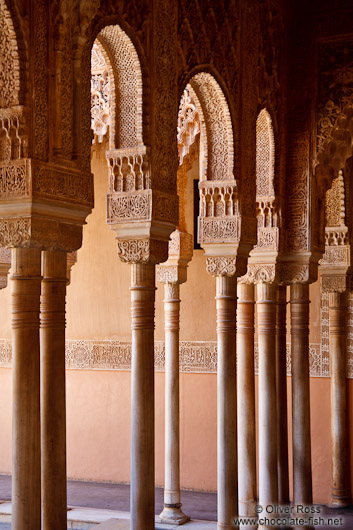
column 180, row 250
column 50, row 201
column 298, row 267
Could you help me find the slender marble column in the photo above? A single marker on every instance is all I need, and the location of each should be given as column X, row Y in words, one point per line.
column 227, row 497
column 339, row 431
column 53, row 405
column 266, row 326
column 302, row 480
column 281, row 386
column 25, row 289
column 172, row 506
column 246, row 400
column 142, row 397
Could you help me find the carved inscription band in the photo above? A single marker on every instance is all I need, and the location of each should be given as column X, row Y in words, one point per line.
column 195, row 357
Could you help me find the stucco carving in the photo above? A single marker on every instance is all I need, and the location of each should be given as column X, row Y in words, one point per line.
column 126, row 120
column 14, row 232
column 143, row 251
column 194, row 357
column 101, row 88
column 221, row 265
column 188, row 123
column 220, row 148
column 9, row 60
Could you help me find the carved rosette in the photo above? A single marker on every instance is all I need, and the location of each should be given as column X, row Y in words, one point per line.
column 180, row 252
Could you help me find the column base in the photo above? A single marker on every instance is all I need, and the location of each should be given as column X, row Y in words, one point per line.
column 173, row 515
column 247, row 508
column 339, row 502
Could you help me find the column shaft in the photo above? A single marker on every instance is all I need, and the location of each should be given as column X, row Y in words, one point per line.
column 53, row 405
column 172, row 505
column 142, row 397
column 25, row 289
column 266, row 322
column 227, row 489
column 246, row 400
column 339, row 432
column 281, row 385
column 302, row 479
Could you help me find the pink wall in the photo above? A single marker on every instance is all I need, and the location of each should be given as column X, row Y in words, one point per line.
column 98, row 428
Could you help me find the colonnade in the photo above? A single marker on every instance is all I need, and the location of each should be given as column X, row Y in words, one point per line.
column 238, row 490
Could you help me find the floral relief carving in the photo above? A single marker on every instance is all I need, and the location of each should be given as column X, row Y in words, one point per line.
column 165, row 94
column 221, row 265
column 167, row 274
column 127, row 120
column 9, row 60
column 14, row 179
column 14, row 232
column 188, row 123
column 101, row 87
column 143, row 251
column 261, row 273
column 220, row 155
column 194, row 357
column 132, row 206
column 63, row 185
column 41, row 80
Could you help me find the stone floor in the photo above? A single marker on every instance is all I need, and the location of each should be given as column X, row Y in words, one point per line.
column 105, row 499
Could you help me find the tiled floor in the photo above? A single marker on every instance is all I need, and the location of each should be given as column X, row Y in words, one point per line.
column 103, row 497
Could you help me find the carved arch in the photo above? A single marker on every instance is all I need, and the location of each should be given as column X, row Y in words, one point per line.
column 218, row 124
column 335, row 151
column 127, row 113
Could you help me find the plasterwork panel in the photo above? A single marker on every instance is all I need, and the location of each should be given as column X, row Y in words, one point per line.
column 194, row 356
column 9, row 61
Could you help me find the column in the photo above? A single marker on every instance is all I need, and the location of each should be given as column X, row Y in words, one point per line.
column 227, row 497
column 339, row 430
column 302, row 480
column 142, row 397
column 172, row 507
column 281, row 386
column 53, row 405
column 246, row 400
column 266, row 326
column 25, row 290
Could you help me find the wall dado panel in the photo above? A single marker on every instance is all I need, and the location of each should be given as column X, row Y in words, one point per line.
column 195, row 357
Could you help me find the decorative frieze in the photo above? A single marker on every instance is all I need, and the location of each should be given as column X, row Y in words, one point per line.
column 194, row 356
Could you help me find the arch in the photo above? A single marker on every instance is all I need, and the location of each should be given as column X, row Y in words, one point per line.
column 219, row 132
column 335, row 151
column 9, row 61
column 127, row 113
column 265, row 156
